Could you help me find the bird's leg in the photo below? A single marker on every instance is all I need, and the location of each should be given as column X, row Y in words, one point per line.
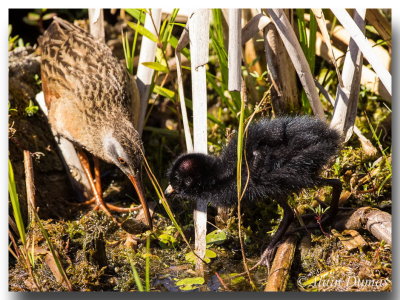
column 97, row 176
column 336, row 191
column 98, row 198
column 109, row 206
column 334, row 205
column 288, row 217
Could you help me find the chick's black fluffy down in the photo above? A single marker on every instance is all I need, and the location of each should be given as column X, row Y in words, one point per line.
column 284, row 155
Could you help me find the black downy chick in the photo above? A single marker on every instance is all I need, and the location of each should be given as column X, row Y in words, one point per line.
column 284, row 156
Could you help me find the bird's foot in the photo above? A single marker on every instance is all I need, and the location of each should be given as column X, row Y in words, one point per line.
column 109, row 206
column 267, row 256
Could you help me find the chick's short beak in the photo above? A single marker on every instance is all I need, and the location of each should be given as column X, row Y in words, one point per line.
column 169, row 190
column 139, row 191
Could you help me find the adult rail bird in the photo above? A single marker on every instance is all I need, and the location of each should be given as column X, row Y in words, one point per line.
column 284, row 156
column 90, row 101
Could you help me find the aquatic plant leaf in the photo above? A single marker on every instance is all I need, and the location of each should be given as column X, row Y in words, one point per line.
column 215, row 237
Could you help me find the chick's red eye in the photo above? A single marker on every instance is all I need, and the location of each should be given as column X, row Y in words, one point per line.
column 121, row 161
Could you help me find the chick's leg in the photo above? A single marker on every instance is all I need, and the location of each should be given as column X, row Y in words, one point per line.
column 288, row 217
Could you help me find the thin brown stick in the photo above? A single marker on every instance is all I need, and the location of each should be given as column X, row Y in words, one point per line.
column 30, row 190
column 29, row 183
column 222, row 282
column 14, row 243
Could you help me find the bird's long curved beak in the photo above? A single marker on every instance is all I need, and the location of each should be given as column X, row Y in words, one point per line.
column 169, row 190
column 139, row 191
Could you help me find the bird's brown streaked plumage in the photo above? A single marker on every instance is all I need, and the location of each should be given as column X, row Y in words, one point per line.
column 90, row 96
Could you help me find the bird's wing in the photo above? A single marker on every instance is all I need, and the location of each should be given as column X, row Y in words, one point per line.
column 76, row 66
column 135, row 96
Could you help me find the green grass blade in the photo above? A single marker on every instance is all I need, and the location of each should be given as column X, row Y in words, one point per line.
column 312, row 42
column 135, row 273
column 12, row 190
column 137, row 13
column 156, row 66
column 143, row 31
column 302, row 30
column 53, row 251
column 147, row 270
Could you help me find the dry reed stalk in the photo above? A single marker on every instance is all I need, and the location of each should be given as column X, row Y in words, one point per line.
column 319, row 16
column 199, row 39
column 30, row 188
column 345, row 111
column 235, row 50
column 364, row 46
column 369, row 79
column 255, row 25
column 381, row 24
column 366, row 144
column 183, row 41
column 378, row 222
column 281, row 73
column 147, row 54
column 96, row 23
column 298, row 58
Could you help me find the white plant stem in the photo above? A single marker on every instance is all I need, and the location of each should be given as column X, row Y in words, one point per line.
column 235, row 50
column 96, row 22
column 147, row 54
column 199, row 45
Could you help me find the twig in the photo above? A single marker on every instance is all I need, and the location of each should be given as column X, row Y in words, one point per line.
column 240, row 191
column 30, row 188
column 222, row 281
column 30, row 195
column 378, row 222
